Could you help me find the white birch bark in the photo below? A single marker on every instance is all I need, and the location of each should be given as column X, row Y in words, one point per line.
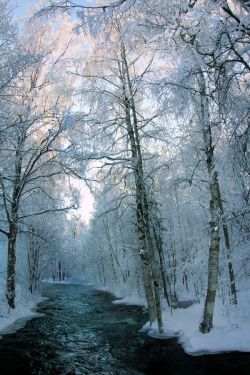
column 217, row 219
column 149, row 265
column 150, row 249
column 213, row 261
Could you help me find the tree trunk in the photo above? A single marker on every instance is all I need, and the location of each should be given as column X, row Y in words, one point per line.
column 59, row 271
column 164, row 276
column 213, row 261
column 230, row 267
column 11, row 266
column 149, row 268
column 156, row 283
column 144, row 198
column 228, row 250
column 13, row 224
column 173, row 266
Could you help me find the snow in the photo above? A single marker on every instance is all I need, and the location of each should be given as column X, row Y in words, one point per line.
column 12, row 320
column 123, row 298
column 229, row 333
column 130, row 300
column 66, row 281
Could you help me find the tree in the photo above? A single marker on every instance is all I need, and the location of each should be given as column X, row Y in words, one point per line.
column 32, row 144
column 126, row 124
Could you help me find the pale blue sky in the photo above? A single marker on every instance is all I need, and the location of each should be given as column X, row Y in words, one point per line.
column 22, row 6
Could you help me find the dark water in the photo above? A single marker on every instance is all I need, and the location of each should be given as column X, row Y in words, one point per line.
column 82, row 332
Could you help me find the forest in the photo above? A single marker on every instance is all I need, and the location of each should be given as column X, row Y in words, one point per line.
column 125, row 159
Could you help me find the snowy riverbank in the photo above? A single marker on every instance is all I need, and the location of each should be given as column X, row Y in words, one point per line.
column 231, row 331
column 227, row 335
column 12, row 320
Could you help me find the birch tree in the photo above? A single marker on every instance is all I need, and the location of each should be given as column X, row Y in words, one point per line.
column 33, row 134
column 124, row 123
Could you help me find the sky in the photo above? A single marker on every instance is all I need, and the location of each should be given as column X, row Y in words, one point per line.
column 22, row 6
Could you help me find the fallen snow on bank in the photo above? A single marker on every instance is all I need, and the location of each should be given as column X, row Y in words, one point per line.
column 66, row 281
column 123, row 298
column 12, row 320
column 130, row 300
column 229, row 333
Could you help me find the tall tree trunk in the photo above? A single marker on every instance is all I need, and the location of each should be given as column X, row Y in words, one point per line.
column 142, row 193
column 149, row 273
column 156, row 281
column 213, row 261
column 142, row 237
column 217, row 217
column 164, row 276
column 11, row 265
column 13, row 224
column 59, row 271
column 103, row 271
column 173, row 266
column 228, row 250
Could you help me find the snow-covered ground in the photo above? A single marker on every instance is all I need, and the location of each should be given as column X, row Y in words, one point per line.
column 66, row 281
column 11, row 320
column 227, row 334
column 130, row 300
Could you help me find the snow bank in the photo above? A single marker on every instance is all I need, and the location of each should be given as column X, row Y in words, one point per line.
column 229, row 333
column 123, row 298
column 12, row 320
column 71, row 281
column 130, row 300
column 67, row 282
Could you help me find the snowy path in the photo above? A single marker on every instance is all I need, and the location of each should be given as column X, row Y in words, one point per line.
column 82, row 332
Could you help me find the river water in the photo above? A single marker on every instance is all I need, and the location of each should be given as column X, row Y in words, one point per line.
column 82, row 332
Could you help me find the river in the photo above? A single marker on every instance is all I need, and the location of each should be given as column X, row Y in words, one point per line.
column 81, row 332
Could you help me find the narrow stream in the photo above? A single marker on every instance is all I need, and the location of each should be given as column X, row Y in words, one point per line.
column 82, row 332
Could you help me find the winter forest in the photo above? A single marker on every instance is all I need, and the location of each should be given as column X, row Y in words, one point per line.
column 125, row 160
